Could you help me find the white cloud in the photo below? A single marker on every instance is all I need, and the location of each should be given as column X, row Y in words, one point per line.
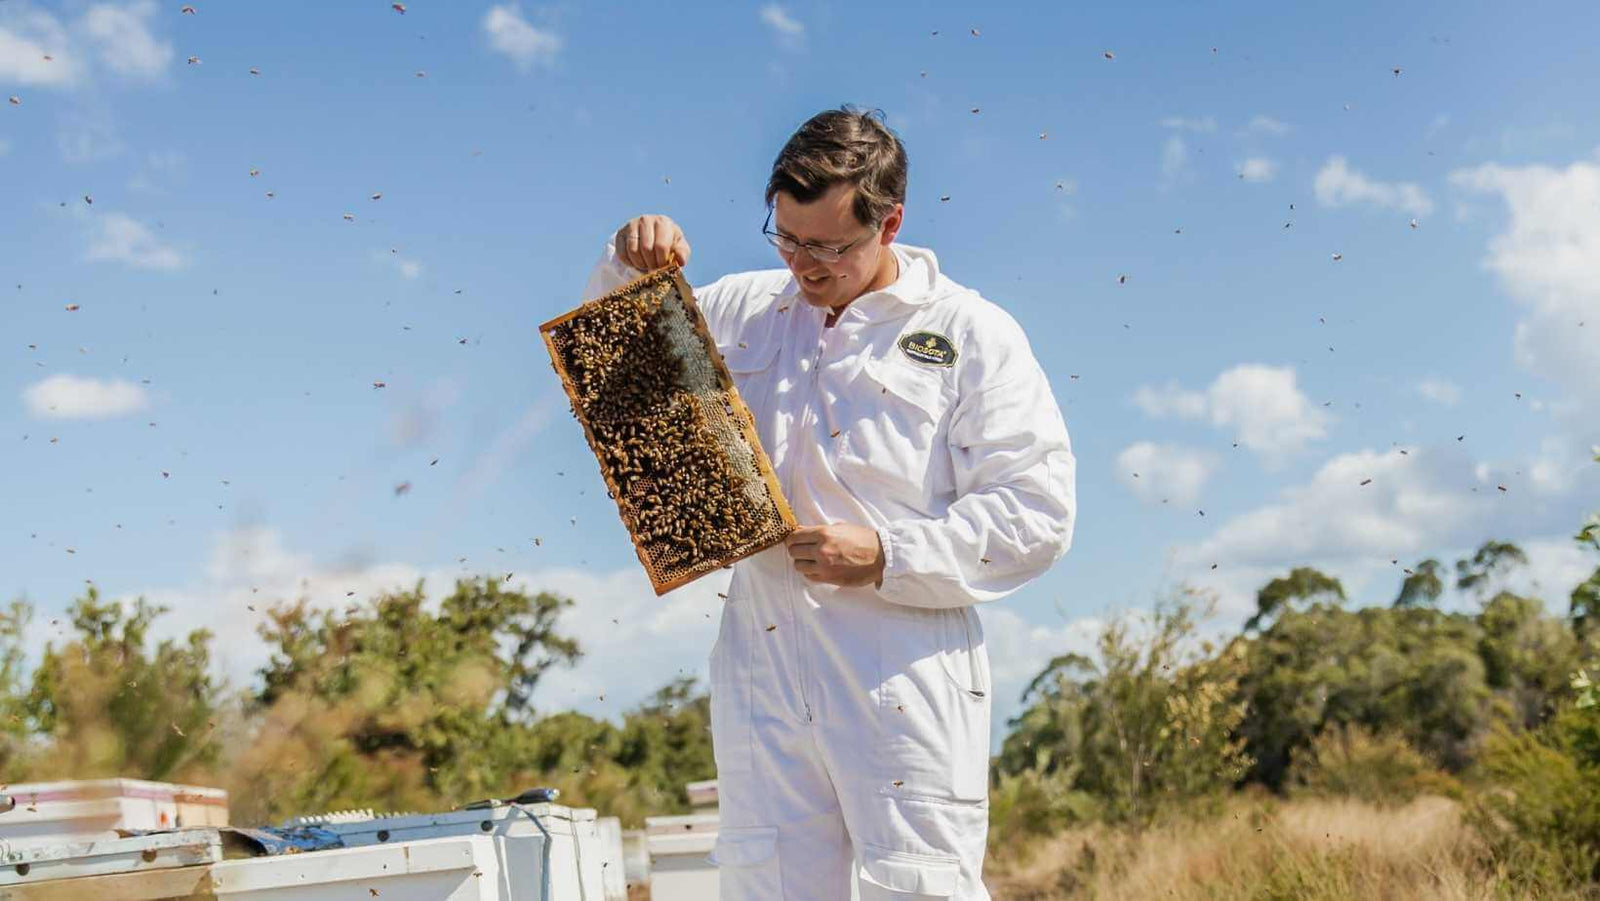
column 1339, row 185
column 1174, row 158
column 1205, row 125
column 509, row 33
column 1161, row 473
column 122, row 239
column 1548, row 258
column 1261, row 404
column 124, row 41
column 1258, row 168
column 790, row 32
column 27, row 36
column 66, row 396
column 1440, row 391
column 1415, row 503
column 5, row 147
column 116, row 36
column 1170, row 400
column 1262, row 124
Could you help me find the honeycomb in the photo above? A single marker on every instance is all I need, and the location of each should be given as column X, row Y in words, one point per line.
column 676, row 445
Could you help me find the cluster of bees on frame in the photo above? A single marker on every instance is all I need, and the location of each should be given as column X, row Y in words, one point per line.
column 680, row 495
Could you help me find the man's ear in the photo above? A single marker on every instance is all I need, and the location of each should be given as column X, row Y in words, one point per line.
column 891, row 224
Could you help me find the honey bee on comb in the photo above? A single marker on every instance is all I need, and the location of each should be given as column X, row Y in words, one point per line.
column 675, row 443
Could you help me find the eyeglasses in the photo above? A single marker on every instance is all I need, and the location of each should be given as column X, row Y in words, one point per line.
column 819, row 252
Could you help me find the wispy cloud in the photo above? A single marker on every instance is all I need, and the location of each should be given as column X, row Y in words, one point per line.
column 511, row 35
column 122, row 38
column 1258, row 168
column 1200, row 125
column 1266, row 125
column 790, row 32
column 1339, row 185
column 66, row 396
column 1162, row 473
column 27, row 37
column 409, row 269
column 1174, row 158
column 122, row 239
column 1440, row 391
column 116, row 39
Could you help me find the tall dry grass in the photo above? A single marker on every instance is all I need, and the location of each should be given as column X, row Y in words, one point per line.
column 1261, row 850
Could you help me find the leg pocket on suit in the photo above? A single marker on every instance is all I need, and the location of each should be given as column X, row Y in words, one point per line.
column 935, row 708
column 747, row 863
column 731, row 691
column 886, row 873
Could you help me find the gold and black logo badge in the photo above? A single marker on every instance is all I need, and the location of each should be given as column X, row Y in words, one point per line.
column 929, row 348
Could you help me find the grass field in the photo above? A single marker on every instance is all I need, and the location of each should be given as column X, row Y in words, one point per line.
column 1262, row 850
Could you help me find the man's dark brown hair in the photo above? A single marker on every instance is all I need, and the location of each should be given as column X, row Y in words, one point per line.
column 843, row 145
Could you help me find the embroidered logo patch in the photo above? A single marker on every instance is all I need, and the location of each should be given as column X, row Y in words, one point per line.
column 928, row 348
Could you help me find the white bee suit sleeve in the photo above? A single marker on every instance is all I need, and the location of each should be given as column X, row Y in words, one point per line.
column 1015, row 477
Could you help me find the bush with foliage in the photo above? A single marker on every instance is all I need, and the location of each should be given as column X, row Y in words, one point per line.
column 1149, row 723
column 1352, row 762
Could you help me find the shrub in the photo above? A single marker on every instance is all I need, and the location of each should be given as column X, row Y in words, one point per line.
column 1542, row 820
column 1381, row 769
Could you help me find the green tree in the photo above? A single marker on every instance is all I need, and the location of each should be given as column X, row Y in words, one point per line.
column 1304, row 583
column 397, row 704
column 1422, row 585
column 1494, row 558
column 1585, row 606
column 14, row 724
column 106, row 703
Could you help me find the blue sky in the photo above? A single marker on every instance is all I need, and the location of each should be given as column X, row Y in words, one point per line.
column 1327, row 262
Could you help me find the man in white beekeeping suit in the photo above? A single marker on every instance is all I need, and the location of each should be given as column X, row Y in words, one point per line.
column 926, row 459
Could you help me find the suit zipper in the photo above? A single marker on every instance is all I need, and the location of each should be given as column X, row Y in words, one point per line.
column 796, row 581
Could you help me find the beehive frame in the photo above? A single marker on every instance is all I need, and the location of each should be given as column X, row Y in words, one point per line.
column 718, row 399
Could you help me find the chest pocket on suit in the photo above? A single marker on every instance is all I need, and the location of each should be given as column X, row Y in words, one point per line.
column 754, row 374
column 891, row 432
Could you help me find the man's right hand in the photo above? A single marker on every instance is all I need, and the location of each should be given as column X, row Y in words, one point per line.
column 651, row 242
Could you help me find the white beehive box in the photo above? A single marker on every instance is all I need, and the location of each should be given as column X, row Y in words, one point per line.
column 460, row 868
column 50, row 812
column 680, row 865
column 613, row 869
column 573, row 864
column 702, row 795
column 636, row 856
column 26, row 866
column 449, row 869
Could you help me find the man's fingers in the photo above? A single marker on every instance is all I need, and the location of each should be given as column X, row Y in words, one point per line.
column 806, row 535
column 647, row 240
column 806, row 552
column 680, row 249
column 628, row 247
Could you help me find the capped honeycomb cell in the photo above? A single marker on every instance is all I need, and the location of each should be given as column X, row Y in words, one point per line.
column 676, row 445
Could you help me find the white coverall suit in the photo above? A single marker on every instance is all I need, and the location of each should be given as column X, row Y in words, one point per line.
column 851, row 725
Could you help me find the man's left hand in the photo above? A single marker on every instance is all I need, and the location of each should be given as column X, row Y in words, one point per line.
column 839, row 554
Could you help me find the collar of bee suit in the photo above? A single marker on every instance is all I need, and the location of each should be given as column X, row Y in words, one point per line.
column 916, row 286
